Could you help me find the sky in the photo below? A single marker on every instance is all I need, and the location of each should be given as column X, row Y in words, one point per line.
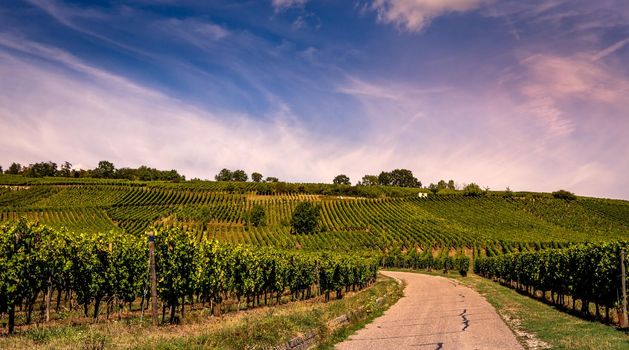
column 533, row 95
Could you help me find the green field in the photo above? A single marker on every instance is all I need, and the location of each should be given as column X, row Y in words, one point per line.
column 352, row 217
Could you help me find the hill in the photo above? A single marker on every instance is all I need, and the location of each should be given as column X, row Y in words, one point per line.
column 353, row 217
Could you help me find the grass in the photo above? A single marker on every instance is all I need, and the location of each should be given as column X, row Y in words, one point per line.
column 259, row 328
column 536, row 323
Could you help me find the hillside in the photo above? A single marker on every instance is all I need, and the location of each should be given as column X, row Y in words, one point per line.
column 353, row 218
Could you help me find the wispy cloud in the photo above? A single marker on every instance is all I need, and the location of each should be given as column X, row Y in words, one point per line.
column 281, row 5
column 415, row 15
column 610, row 50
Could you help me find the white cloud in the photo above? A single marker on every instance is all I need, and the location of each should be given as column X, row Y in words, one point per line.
column 415, row 15
column 281, row 5
column 550, row 82
column 70, row 110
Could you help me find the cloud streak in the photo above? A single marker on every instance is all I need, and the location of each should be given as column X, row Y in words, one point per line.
column 415, row 15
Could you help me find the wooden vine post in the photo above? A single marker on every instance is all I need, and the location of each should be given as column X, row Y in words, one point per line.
column 623, row 285
column 153, row 276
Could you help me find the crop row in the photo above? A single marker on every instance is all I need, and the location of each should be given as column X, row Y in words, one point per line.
column 92, row 268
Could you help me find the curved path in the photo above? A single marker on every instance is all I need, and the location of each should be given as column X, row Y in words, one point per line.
column 435, row 313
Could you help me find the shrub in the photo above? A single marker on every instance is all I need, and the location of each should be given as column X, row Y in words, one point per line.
column 563, row 194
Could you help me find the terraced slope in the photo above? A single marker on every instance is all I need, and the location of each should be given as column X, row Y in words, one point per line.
column 220, row 210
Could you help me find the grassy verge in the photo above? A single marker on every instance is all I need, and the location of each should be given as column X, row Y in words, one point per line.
column 255, row 329
column 536, row 323
column 555, row 327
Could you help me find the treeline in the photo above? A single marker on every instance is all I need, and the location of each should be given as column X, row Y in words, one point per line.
column 587, row 272
column 46, row 268
column 104, row 170
column 425, row 260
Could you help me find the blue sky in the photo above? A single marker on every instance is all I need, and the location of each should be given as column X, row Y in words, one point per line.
column 531, row 95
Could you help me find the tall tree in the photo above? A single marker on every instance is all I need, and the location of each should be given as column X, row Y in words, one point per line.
column 341, row 180
column 385, row 179
column 66, row 170
column 105, row 170
column 369, row 180
column 224, row 175
column 14, row 169
column 451, row 185
column 239, row 175
column 41, row 169
column 404, row 178
column 256, row 177
column 272, row 179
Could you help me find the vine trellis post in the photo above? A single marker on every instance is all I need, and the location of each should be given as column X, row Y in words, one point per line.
column 623, row 284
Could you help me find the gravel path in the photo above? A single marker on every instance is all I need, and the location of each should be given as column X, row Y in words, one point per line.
column 435, row 313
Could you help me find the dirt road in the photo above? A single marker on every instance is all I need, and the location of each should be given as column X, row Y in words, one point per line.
column 435, row 313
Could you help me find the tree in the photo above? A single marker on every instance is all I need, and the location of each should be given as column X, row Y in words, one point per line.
column 305, row 218
column 451, row 185
column 404, row 178
column 66, row 170
column 473, row 190
column 257, row 216
column 104, row 170
column 14, row 169
column 433, row 188
column 1, row 171
column 341, row 180
column 508, row 193
column 256, row 177
column 369, row 180
column 239, row 175
column 385, row 179
column 224, row 175
column 565, row 195
column 41, row 169
column 442, row 185
column 272, row 179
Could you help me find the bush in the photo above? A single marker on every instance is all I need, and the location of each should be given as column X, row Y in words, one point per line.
column 563, row 194
column 257, row 216
column 305, row 218
column 473, row 190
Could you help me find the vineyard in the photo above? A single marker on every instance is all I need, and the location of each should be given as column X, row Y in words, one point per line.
column 583, row 273
column 351, row 219
column 86, row 270
column 71, row 244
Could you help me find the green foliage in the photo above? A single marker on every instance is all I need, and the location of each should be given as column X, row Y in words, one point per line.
column 256, row 177
column 257, row 216
column 305, row 218
column 104, row 170
column 341, row 180
column 113, row 267
column 14, row 169
column 224, row 175
column 588, row 272
column 398, row 177
column 239, row 175
column 369, row 180
column 41, row 169
column 473, row 190
column 563, row 194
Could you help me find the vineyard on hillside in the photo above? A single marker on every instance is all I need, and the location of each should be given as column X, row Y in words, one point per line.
column 351, row 219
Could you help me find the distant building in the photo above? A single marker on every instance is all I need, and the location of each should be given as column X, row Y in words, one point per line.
column 422, row 195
